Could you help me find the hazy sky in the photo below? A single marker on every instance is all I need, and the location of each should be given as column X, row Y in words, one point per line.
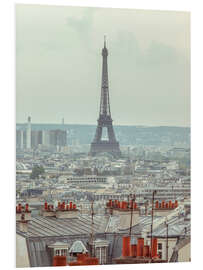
column 59, row 63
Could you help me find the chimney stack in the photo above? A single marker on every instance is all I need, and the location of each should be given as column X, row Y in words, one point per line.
column 23, row 216
column 59, row 261
column 66, row 211
column 140, row 247
column 23, row 224
column 48, row 210
column 126, row 246
column 23, row 210
column 123, row 210
column 164, row 208
column 154, row 247
column 133, row 250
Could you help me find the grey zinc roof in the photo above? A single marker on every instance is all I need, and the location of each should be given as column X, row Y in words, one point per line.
column 51, row 226
column 176, row 228
column 41, row 255
column 144, row 222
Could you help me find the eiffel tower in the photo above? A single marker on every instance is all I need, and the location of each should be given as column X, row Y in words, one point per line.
column 105, row 121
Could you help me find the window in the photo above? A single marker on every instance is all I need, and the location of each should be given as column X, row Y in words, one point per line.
column 58, row 252
column 159, row 245
column 160, row 255
column 61, row 252
column 101, row 254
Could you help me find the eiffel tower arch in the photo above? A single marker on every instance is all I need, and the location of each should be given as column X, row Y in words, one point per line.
column 105, row 121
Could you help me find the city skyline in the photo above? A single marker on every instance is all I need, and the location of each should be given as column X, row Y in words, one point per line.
column 150, row 60
column 103, row 137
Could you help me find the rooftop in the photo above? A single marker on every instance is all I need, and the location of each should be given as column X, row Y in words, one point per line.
column 51, row 226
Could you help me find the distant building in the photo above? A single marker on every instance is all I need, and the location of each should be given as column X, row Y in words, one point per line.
column 20, row 139
column 30, row 139
column 58, row 137
column 45, row 138
column 28, row 134
column 86, row 179
column 36, row 138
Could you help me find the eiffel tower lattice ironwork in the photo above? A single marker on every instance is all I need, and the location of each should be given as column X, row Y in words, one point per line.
column 105, row 121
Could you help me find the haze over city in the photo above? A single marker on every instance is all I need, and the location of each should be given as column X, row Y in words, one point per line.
column 99, row 180
column 59, row 63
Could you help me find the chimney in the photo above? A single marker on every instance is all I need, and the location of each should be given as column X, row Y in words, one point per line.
column 146, row 251
column 59, row 261
column 176, row 203
column 157, row 204
column 154, row 247
column 23, row 224
column 140, row 247
column 126, row 246
column 23, row 210
column 165, row 208
column 133, row 250
column 48, row 210
column 67, row 211
column 84, row 259
column 123, row 209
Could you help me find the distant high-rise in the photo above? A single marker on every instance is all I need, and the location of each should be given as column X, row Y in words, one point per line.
column 31, row 137
column 36, row 138
column 45, row 138
column 28, row 134
column 105, row 121
column 58, row 137
column 19, row 139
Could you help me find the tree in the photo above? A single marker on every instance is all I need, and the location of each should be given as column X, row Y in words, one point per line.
column 36, row 172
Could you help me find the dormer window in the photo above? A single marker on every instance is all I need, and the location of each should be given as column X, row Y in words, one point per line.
column 77, row 248
column 60, row 252
column 59, row 249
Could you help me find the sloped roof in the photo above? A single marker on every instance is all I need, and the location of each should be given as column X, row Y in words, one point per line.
column 58, row 244
column 180, row 244
column 51, row 226
column 176, row 227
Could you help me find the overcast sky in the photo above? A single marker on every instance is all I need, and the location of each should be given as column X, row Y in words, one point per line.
column 59, row 63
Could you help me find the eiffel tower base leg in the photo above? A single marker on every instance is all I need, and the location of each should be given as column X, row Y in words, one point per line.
column 105, row 147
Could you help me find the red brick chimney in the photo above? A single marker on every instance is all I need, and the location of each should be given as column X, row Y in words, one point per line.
column 126, row 246
column 23, row 216
column 140, row 247
column 59, row 261
column 23, row 210
column 123, row 210
column 154, row 247
column 66, row 211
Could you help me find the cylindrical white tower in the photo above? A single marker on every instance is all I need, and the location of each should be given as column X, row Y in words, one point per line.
column 28, row 134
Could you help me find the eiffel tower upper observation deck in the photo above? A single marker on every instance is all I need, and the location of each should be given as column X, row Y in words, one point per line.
column 105, row 121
